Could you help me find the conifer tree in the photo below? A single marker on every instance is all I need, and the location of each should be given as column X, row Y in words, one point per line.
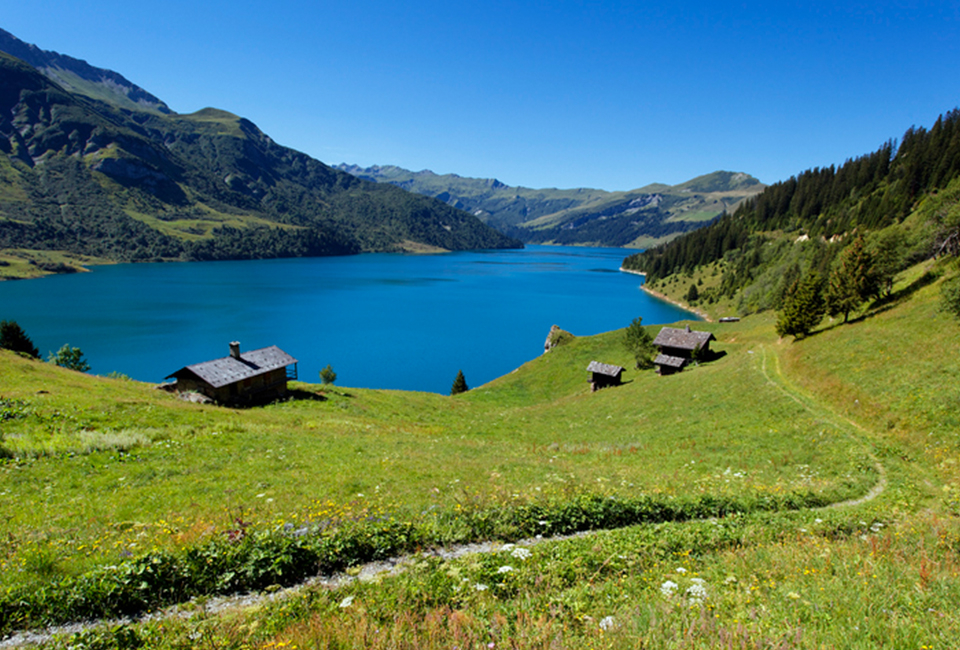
column 459, row 384
column 803, row 307
column 639, row 343
column 12, row 337
column 853, row 280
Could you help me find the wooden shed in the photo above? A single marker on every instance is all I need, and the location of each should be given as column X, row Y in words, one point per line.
column 603, row 375
column 257, row 375
column 678, row 346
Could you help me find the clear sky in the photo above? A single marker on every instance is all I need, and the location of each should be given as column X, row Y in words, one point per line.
column 612, row 95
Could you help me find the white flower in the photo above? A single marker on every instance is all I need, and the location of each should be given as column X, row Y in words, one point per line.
column 607, row 623
column 507, row 547
column 668, row 588
column 697, row 593
column 681, row 570
column 346, row 602
column 480, row 587
column 505, row 569
column 520, row 553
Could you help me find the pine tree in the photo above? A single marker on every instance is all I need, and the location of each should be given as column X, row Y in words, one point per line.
column 853, row 280
column 12, row 337
column 327, row 375
column 459, row 384
column 639, row 343
column 803, row 307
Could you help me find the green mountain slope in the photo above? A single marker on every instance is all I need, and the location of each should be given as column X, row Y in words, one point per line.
column 635, row 218
column 91, row 177
column 904, row 200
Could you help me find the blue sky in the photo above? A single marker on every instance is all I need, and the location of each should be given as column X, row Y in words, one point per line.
column 542, row 94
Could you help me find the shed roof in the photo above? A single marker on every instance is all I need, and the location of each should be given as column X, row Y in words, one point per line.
column 669, row 361
column 604, row 369
column 682, row 339
column 229, row 370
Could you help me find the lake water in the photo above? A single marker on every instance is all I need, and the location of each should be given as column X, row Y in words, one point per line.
column 381, row 320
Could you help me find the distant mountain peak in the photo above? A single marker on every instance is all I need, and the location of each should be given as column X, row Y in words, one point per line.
column 76, row 75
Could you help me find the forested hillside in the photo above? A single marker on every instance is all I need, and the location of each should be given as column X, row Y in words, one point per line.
column 635, row 218
column 901, row 200
column 89, row 176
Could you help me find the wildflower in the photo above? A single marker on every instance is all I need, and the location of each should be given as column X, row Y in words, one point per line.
column 346, row 602
column 520, row 553
column 681, row 570
column 697, row 593
column 505, row 569
column 480, row 587
column 668, row 588
column 607, row 623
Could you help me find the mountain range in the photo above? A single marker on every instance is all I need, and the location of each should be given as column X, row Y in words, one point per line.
column 637, row 218
column 93, row 165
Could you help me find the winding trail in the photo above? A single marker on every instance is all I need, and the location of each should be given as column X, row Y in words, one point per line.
column 818, row 409
column 372, row 570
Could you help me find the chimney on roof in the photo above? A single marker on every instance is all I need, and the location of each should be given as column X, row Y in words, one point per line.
column 235, row 349
column 688, row 328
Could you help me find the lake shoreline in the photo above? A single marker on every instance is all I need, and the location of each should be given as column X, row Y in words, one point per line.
column 676, row 303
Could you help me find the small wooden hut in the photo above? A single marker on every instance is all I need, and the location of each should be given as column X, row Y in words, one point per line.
column 253, row 376
column 603, row 375
column 678, row 346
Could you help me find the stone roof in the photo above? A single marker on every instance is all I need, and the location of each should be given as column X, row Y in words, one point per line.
column 229, row 370
column 682, row 339
column 670, row 362
column 604, row 369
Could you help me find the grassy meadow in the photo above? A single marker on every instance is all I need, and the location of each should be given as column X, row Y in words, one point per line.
column 785, row 495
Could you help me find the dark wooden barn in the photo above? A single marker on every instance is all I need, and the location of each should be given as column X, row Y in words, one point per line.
column 603, row 375
column 254, row 376
column 678, row 346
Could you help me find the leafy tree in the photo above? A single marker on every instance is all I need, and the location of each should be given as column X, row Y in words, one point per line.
column 70, row 358
column 693, row 294
column 639, row 343
column 803, row 307
column 950, row 296
column 327, row 375
column 12, row 337
column 459, row 384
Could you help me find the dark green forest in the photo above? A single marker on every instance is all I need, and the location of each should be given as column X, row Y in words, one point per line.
column 875, row 194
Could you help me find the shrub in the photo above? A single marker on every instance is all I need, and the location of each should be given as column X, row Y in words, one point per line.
column 950, row 297
column 70, row 358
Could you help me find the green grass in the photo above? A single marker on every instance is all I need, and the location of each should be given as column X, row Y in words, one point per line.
column 107, row 469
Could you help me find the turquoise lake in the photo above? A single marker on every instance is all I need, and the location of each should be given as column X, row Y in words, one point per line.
column 381, row 320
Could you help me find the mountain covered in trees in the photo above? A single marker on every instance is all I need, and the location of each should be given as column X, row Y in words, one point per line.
column 848, row 228
column 90, row 164
column 636, row 218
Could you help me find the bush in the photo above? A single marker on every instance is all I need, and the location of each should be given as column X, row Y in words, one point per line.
column 950, row 297
column 70, row 358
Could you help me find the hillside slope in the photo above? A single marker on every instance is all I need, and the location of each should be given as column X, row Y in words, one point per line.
column 744, row 498
column 635, row 218
column 904, row 201
column 92, row 177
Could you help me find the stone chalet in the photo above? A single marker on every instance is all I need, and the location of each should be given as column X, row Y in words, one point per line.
column 257, row 375
column 678, row 347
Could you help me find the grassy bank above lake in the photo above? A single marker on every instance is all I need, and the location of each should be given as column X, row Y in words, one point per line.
column 712, row 482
